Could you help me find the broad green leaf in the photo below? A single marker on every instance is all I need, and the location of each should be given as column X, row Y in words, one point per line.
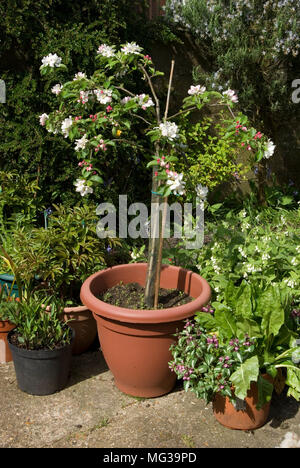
column 225, row 322
column 230, row 293
column 244, row 375
column 243, row 304
column 96, row 178
column 245, row 325
column 205, row 320
column 272, row 313
column 293, row 376
column 265, row 390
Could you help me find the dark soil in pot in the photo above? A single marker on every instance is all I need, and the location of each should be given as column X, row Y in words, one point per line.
column 14, row 340
column 131, row 296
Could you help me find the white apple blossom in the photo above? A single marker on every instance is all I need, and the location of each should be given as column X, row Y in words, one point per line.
column 51, row 60
column 81, row 143
column 269, row 151
column 131, row 48
column 106, row 50
column 66, row 125
column 196, row 90
column 82, row 188
column 144, row 101
column 169, row 130
column 176, row 183
column 83, row 97
column 79, row 76
column 231, row 95
column 56, row 89
column 126, row 99
column 43, row 119
column 201, row 191
column 103, row 95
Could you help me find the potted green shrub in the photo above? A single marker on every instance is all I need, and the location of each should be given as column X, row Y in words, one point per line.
column 100, row 113
column 41, row 346
column 62, row 257
column 237, row 354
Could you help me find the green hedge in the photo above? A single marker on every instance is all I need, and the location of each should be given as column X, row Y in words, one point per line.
column 73, row 29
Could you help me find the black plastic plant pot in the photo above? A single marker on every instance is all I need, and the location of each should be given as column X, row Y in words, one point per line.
column 41, row 372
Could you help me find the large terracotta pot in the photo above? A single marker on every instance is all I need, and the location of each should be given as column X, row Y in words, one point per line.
column 245, row 419
column 5, row 328
column 136, row 343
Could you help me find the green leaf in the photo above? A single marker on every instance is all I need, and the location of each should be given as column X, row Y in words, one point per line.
column 293, row 381
column 244, row 375
column 286, row 200
column 265, row 390
column 243, row 305
column 225, row 321
column 272, row 312
column 246, row 325
column 205, row 320
column 96, row 178
column 215, row 207
column 152, row 163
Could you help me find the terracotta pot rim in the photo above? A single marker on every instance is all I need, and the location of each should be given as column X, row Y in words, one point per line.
column 81, row 308
column 123, row 314
column 6, row 325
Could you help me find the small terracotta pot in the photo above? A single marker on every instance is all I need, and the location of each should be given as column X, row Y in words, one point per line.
column 5, row 328
column 245, row 419
column 84, row 325
column 136, row 343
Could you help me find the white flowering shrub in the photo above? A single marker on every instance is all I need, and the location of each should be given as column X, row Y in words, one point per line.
column 263, row 247
column 253, row 46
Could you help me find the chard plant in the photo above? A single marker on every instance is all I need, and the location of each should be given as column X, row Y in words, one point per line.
column 101, row 112
column 249, row 333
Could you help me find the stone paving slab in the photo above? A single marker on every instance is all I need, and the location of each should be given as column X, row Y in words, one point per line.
column 92, row 413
